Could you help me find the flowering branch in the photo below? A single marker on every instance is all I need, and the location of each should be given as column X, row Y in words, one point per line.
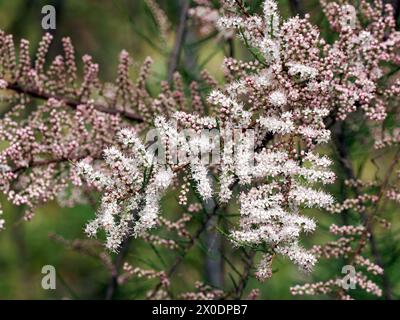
column 72, row 103
column 267, row 130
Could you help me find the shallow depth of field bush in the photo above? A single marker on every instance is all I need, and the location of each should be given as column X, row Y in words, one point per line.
column 232, row 149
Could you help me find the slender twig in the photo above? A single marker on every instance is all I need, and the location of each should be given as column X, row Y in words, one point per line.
column 231, row 47
column 248, row 263
column 46, row 162
column 179, row 40
column 296, row 7
column 73, row 103
column 213, row 244
column 243, row 11
column 113, row 283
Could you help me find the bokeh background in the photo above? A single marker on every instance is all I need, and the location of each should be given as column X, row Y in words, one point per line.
column 102, row 28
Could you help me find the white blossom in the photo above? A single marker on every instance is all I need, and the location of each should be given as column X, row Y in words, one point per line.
column 236, row 109
column 277, row 98
column 320, row 135
column 264, row 220
column 271, row 16
column 310, row 197
column 3, row 84
column 95, row 178
column 282, row 125
column 128, row 205
column 302, row 71
column 129, row 139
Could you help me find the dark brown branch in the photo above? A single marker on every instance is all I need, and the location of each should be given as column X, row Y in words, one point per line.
column 179, row 40
column 213, row 244
column 113, row 283
column 73, row 103
column 248, row 263
column 296, row 7
column 46, row 162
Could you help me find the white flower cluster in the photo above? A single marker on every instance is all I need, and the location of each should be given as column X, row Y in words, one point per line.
column 277, row 98
column 148, row 215
column 176, row 141
column 268, row 218
column 259, row 32
column 264, row 269
column 279, row 177
column 227, row 176
column 3, row 84
column 270, row 212
column 132, row 188
column 134, row 180
column 282, row 125
column 318, row 134
column 302, row 71
column 274, row 164
column 229, row 105
column 271, row 17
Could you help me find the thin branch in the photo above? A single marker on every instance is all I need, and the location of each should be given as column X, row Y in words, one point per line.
column 113, row 283
column 179, row 40
column 213, row 244
column 46, row 162
column 248, row 263
column 296, row 7
column 73, row 103
column 243, row 11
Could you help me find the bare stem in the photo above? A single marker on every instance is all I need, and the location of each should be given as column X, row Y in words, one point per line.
column 296, row 7
column 113, row 283
column 179, row 41
column 248, row 263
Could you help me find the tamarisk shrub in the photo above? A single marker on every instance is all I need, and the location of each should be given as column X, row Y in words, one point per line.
column 280, row 120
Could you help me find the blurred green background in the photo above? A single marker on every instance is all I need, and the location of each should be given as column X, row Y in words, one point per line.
column 102, row 28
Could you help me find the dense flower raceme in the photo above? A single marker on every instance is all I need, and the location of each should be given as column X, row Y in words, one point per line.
column 270, row 212
column 270, row 118
column 68, row 126
column 129, row 193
